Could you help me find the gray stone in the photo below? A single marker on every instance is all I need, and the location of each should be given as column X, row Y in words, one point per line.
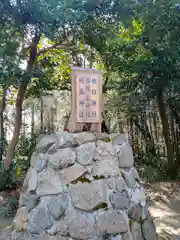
column 46, row 236
column 120, row 184
column 72, row 173
column 104, row 150
column 24, row 189
column 135, row 212
column 138, row 196
column 22, row 236
column 117, row 237
column 111, row 222
column 41, row 162
column 45, row 143
column 39, row 219
column 33, row 159
column 117, row 183
column 5, row 233
column 62, row 225
column 33, row 179
column 52, row 149
column 84, row 137
column 49, row 183
column 145, row 212
column 125, row 156
column 30, row 201
column 148, row 229
column 127, row 236
column 106, row 167
column 66, row 140
column 53, row 230
column 81, row 225
column 136, row 231
column 131, row 176
column 57, row 205
column 85, row 153
column 62, row 158
column 20, row 221
column 19, row 235
column 118, row 139
column 120, row 200
column 89, row 196
column 103, row 136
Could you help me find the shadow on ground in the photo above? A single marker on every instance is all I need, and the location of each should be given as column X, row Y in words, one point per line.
column 164, row 200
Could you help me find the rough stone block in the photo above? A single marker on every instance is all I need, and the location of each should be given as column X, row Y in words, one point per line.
column 84, row 137
column 104, row 150
column 118, row 139
column 131, row 176
column 72, row 173
column 106, row 167
column 149, row 230
column 120, row 200
column 46, row 236
column 41, row 162
column 33, row 179
column 62, row 158
column 111, row 222
column 125, row 156
column 81, row 225
column 49, row 183
column 20, row 221
column 136, row 231
column 135, row 212
column 39, row 219
column 58, row 204
column 65, row 140
column 33, row 159
column 138, row 196
column 85, row 153
column 45, row 143
column 117, row 237
column 29, row 201
column 89, row 196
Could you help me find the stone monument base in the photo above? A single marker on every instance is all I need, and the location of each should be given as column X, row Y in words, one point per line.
column 83, row 186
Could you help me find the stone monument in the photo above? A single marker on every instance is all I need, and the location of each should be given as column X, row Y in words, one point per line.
column 83, row 186
column 86, row 103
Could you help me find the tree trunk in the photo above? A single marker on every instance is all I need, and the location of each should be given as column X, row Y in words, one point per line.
column 42, row 115
column 32, row 119
column 147, row 136
column 166, row 131
column 19, row 101
column 2, row 133
column 174, row 112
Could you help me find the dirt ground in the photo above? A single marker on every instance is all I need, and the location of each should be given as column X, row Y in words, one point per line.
column 164, row 206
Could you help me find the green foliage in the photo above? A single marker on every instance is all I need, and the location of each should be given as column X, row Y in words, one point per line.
column 9, row 210
column 137, row 51
column 14, row 177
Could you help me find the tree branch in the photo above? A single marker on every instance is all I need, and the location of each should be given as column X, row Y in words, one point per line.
column 56, row 46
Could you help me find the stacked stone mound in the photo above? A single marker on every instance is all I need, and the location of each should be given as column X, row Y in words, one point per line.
column 83, row 186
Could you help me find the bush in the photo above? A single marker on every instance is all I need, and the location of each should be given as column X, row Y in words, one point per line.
column 153, row 168
column 10, row 208
column 13, row 178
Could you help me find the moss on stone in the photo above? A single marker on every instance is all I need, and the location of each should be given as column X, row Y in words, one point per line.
column 107, row 139
column 99, row 177
column 100, row 206
column 81, row 179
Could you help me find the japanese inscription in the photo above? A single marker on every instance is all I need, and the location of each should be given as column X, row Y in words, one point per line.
column 88, row 98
